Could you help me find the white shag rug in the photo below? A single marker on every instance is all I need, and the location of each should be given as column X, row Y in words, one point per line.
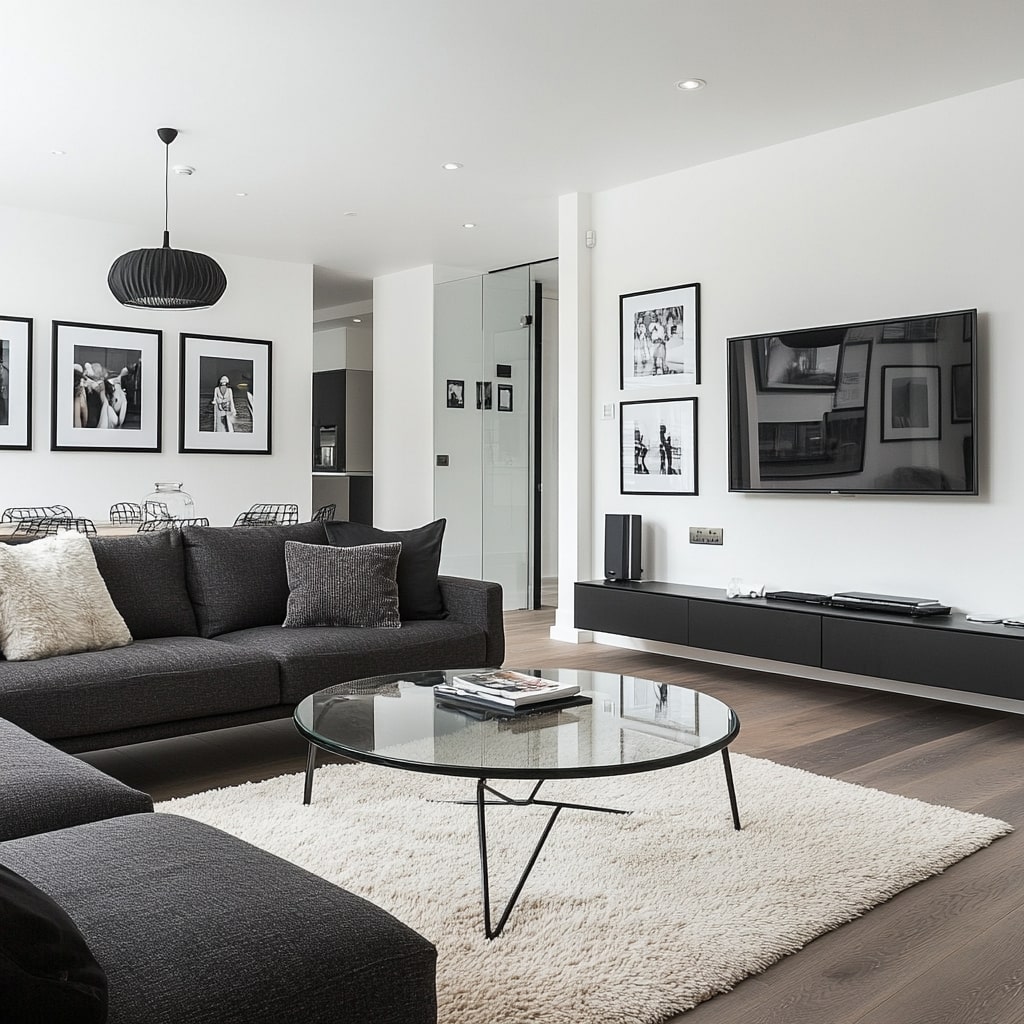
column 626, row 919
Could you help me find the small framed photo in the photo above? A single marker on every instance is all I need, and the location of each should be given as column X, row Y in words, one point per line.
column 225, row 399
column 659, row 337
column 15, row 383
column 456, row 391
column 911, row 403
column 483, row 394
column 781, row 366
column 504, row 398
column 106, row 393
column 659, row 446
column 962, row 396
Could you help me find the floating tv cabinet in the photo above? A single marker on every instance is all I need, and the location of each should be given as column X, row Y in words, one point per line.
column 943, row 650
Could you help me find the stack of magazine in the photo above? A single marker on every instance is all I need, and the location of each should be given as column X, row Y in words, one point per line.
column 507, row 692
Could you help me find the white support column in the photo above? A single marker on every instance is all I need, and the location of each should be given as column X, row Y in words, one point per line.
column 403, row 402
column 575, row 489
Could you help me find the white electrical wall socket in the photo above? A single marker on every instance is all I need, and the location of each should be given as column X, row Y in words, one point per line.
column 608, row 411
column 706, row 535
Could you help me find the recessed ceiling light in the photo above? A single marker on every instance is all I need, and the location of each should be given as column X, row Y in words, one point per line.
column 241, row 195
column 451, row 166
column 357, row 320
column 690, row 84
column 469, row 224
column 58, row 152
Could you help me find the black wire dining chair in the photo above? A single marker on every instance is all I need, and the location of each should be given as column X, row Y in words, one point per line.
column 47, row 526
column 269, row 515
column 125, row 513
column 17, row 515
column 324, row 514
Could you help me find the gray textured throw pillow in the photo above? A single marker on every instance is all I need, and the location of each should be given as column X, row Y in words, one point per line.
column 331, row 586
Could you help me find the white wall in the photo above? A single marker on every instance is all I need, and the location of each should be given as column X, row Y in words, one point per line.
column 403, row 409
column 55, row 268
column 908, row 214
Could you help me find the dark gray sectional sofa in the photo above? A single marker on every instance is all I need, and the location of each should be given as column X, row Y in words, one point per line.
column 205, row 608
column 187, row 924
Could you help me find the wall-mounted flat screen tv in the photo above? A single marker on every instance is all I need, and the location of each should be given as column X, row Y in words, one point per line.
column 881, row 407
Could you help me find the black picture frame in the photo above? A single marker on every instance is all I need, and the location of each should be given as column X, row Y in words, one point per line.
column 15, row 383
column 667, row 427
column 483, row 394
column 961, row 393
column 504, row 398
column 659, row 337
column 455, row 391
column 911, row 403
column 93, row 403
column 241, row 422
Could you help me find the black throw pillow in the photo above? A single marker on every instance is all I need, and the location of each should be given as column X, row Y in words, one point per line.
column 419, row 596
column 47, row 972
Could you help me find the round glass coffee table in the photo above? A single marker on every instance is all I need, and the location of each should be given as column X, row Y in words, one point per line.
column 629, row 725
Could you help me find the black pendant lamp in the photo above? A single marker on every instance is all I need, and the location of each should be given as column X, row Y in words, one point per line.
column 166, row 278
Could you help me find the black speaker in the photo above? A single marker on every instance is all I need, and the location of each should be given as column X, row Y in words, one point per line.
column 622, row 548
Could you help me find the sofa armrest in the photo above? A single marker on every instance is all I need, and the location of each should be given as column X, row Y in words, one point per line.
column 477, row 603
column 43, row 789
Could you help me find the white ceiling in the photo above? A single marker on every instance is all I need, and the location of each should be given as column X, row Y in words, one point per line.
column 319, row 107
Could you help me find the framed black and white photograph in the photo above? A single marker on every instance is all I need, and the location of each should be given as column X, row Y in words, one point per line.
column 504, row 398
column 225, row 396
column 106, row 393
column 659, row 446
column 962, row 397
column 854, row 373
column 15, row 383
column 659, row 337
column 911, row 403
column 483, row 394
column 456, row 391
column 783, row 366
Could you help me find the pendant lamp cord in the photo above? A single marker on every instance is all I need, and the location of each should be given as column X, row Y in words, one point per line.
column 167, row 160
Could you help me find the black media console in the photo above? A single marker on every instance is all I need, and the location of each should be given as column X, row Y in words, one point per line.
column 944, row 650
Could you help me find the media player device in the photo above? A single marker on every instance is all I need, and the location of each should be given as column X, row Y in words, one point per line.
column 622, row 547
column 916, row 606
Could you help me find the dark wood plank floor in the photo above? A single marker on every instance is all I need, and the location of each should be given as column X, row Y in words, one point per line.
column 947, row 951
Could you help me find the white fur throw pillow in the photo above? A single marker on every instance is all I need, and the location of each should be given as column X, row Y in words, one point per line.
column 53, row 600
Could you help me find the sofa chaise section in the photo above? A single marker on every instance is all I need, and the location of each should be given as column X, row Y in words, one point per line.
column 191, row 925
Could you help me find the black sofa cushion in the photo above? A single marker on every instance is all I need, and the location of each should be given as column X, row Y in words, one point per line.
column 47, row 972
column 320, row 656
column 236, row 574
column 193, row 925
column 44, row 789
column 341, row 586
column 166, row 679
column 419, row 596
column 145, row 575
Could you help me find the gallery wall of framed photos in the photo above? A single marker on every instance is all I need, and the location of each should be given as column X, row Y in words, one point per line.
column 659, row 348
column 55, row 274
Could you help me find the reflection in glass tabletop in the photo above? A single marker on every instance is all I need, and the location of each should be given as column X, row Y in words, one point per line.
column 630, row 725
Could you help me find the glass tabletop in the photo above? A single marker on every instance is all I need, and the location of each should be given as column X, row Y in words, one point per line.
column 631, row 725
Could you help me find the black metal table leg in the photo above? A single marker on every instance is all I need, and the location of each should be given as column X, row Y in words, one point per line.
column 310, row 766
column 481, row 804
column 732, row 789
